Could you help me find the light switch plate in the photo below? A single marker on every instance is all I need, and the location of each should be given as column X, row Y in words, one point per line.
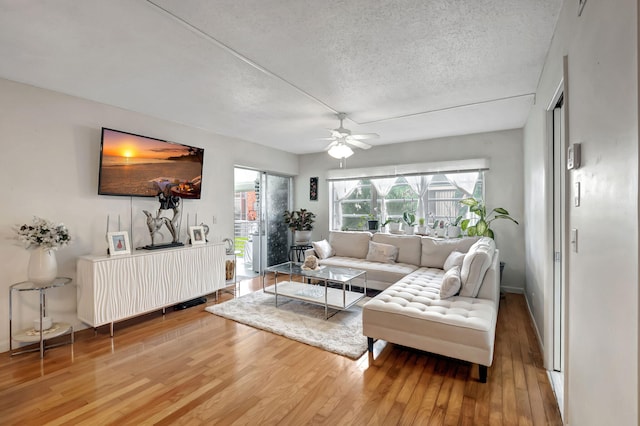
column 574, row 239
column 573, row 156
column 576, row 194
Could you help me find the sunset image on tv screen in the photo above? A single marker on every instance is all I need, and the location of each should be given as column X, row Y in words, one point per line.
column 143, row 166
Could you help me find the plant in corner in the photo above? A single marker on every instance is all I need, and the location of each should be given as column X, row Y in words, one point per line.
column 483, row 225
column 301, row 222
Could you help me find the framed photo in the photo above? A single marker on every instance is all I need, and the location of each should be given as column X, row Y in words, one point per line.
column 197, row 235
column 118, row 243
column 313, row 189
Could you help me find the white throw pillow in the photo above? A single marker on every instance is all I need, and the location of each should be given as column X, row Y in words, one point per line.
column 475, row 265
column 451, row 283
column 385, row 253
column 454, row 259
column 323, row 249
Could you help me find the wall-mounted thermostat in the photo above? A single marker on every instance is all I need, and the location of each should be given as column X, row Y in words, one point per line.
column 573, row 156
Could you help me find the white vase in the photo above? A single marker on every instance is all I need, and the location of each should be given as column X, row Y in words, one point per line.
column 394, row 227
column 302, row 237
column 453, row 231
column 43, row 267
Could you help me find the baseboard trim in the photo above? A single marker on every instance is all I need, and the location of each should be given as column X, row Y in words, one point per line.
column 535, row 328
column 509, row 289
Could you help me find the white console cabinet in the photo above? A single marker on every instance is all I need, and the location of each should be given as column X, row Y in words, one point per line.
column 114, row 288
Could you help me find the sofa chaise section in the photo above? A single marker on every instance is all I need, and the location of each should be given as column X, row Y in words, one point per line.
column 411, row 313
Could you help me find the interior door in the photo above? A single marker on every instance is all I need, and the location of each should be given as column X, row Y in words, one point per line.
column 558, row 232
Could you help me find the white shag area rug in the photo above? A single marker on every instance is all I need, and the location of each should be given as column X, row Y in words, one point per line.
column 300, row 321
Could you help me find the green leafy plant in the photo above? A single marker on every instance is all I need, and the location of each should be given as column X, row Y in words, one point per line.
column 299, row 220
column 391, row 220
column 421, row 221
column 409, row 218
column 456, row 221
column 483, row 226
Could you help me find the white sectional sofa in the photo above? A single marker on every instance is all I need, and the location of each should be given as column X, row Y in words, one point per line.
column 419, row 306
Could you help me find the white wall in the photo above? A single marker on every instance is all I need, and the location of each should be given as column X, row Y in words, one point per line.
column 602, row 355
column 49, row 168
column 504, row 183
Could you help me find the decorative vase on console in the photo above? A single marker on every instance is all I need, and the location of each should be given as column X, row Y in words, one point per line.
column 43, row 237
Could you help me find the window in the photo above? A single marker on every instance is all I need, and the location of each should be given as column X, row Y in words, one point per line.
column 429, row 196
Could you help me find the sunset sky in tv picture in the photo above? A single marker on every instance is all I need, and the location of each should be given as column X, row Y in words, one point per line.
column 122, row 148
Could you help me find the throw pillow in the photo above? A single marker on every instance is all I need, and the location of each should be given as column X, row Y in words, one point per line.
column 454, row 259
column 322, row 248
column 451, row 283
column 475, row 265
column 385, row 253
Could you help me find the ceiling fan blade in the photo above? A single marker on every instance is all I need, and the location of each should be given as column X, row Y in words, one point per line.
column 357, row 143
column 366, row 136
column 331, row 145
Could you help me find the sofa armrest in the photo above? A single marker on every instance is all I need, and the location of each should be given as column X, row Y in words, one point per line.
column 490, row 287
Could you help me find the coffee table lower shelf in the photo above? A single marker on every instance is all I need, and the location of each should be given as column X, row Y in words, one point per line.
column 336, row 297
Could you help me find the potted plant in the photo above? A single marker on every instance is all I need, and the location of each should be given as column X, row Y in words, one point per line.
column 410, row 219
column 453, row 229
column 301, row 223
column 44, row 237
column 483, row 225
column 373, row 222
column 394, row 224
column 422, row 228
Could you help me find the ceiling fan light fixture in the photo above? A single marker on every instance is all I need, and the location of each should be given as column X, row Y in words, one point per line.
column 340, row 151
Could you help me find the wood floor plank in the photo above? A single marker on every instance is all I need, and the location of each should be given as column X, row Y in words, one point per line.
column 190, row 367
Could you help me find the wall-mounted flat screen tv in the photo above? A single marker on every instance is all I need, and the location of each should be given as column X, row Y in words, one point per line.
column 141, row 166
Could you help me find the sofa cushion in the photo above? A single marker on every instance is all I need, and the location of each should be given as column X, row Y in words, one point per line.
column 450, row 283
column 408, row 246
column 435, row 251
column 385, row 253
column 475, row 265
column 417, row 295
column 454, row 259
column 376, row 271
column 350, row 244
column 323, row 249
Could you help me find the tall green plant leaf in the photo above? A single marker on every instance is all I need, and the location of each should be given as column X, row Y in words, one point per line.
column 481, row 227
column 469, row 202
column 504, row 216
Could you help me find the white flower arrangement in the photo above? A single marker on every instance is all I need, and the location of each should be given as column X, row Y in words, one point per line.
column 43, row 233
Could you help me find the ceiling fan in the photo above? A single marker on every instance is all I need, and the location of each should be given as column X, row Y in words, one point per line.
column 341, row 139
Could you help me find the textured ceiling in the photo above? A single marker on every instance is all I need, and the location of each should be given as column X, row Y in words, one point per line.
column 275, row 72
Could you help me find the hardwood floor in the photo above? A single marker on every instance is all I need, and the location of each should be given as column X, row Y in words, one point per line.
column 191, row 367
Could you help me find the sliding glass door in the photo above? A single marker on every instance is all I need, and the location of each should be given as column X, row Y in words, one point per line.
column 277, row 199
column 261, row 236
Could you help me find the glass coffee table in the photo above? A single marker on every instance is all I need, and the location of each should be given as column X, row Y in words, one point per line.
column 334, row 290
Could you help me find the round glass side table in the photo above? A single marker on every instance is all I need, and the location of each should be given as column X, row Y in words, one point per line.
column 31, row 335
